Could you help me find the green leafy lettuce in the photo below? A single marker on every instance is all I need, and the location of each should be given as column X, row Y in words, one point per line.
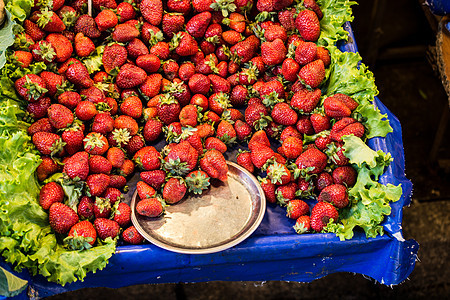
column 369, row 199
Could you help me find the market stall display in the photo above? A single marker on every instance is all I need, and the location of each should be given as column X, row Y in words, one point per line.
column 328, row 107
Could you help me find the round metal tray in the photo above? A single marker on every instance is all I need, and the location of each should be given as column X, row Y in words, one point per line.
column 223, row 216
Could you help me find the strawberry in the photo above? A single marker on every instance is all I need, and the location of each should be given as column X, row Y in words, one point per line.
column 152, row 85
column 132, row 106
column 215, row 143
column 79, row 75
column 125, row 33
column 290, row 131
column 256, row 116
column 214, row 164
column 186, row 71
column 344, row 175
column 168, row 109
column 305, row 53
column 95, row 143
column 184, row 44
column 62, row 46
column 347, row 100
column 106, row 19
column 274, row 32
column 81, row 236
column 46, row 168
column 106, row 228
column 278, row 173
column 101, row 4
column 324, row 55
column 113, row 195
column 305, row 101
column 290, row 69
column 33, row 30
column 219, row 84
column 86, row 24
column 125, row 12
column 188, row 116
column 231, row 37
column 323, row 180
column 48, row 143
column 127, row 168
column 128, row 123
column 103, row 123
column 144, row 190
column 321, row 215
column 313, row 73
column 268, row 188
column 283, row 114
column 180, row 6
column 287, row 18
column 99, row 165
column 117, row 181
column 243, row 130
column 322, row 142
column 346, row 126
column 181, row 159
column 320, row 122
column 49, row 21
column 174, row 190
column 170, row 69
column 60, row 116
column 197, row 181
column 199, row 84
column 152, row 11
column 150, row 63
column 122, row 215
column 302, row 224
column 53, row 82
column 61, row 217
column 274, row 52
column 150, row 207
column 115, row 156
column 130, row 76
column 23, row 57
column 77, row 165
column 97, row 184
column 304, row 125
column 226, row 132
column 286, row 193
column 131, row 235
column 69, row 99
column 308, row 25
column 202, row 5
column 312, row 5
column 313, row 160
column 292, row 147
column 172, row 23
column 50, row 193
column 296, row 208
column 239, row 95
column 136, row 48
column 93, row 94
column 259, row 136
column 260, row 154
column 205, row 130
column 85, row 110
column 114, row 56
column 31, row 87
column 155, row 178
column 151, row 160
column 335, row 108
column 73, row 137
column 272, row 5
column 84, row 46
column 38, row 110
column 152, row 130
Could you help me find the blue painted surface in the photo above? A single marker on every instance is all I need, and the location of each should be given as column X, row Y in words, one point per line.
column 273, row 251
column 439, row 7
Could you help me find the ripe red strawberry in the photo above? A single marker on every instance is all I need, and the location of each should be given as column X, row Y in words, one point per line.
column 62, row 46
column 113, row 195
column 151, row 160
column 180, row 6
column 115, row 156
column 52, row 81
column 99, row 164
column 97, row 184
column 48, row 143
column 219, row 84
column 283, row 114
column 122, row 215
column 150, row 207
column 345, row 175
column 95, row 143
column 324, row 55
column 69, row 99
column 335, row 108
column 85, row 208
column 73, row 137
column 86, row 24
column 199, row 84
column 46, row 168
column 124, row 33
column 106, row 19
column 322, row 142
column 103, row 123
column 188, row 116
column 292, row 147
column 84, row 46
column 214, row 164
column 215, row 143
column 320, row 122
column 125, row 12
column 150, row 63
column 114, row 55
column 197, row 182
column 275, row 31
column 168, row 109
column 274, row 52
column 60, row 116
column 305, row 101
column 155, row 178
column 260, row 154
column 80, row 234
column 48, row 20
column 290, row 69
column 346, row 126
column 181, row 159
column 256, row 116
column 286, row 193
column 172, row 23
column 174, row 190
column 23, row 57
column 259, row 136
column 184, row 44
column 287, row 18
column 244, row 159
column 117, row 181
column 79, row 75
column 30, row 87
column 278, row 173
column 152, row 11
column 131, row 235
column 312, row 160
column 322, row 180
column 321, row 215
column 128, row 123
column 38, row 110
column 268, row 188
column 136, row 48
column 272, row 5
column 313, row 73
column 144, row 190
column 130, row 76
column 77, row 165
column 226, row 132
column 132, row 106
column 307, row 23
column 152, row 130
column 305, row 52
column 85, row 110
column 202, row 5
column 61, row 217
column 347, row 100
column 106, row 228
column 50, row 193
column 102, row 207
column 33, row 30
column 304, row 125
column 243, row 130
column 303, row 224
column 152, row 85
column 296, row 208
column 231, row 37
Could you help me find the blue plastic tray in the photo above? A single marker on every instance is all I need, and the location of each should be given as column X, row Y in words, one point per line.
column 274, row 251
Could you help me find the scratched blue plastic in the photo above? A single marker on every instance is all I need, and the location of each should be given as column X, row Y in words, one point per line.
column 273, row 251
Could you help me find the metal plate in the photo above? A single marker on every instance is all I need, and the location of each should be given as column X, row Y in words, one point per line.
column 223, row 216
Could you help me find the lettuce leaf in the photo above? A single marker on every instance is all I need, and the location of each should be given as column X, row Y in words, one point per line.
column 369, row 199
column 11, row 285
column 19, row 9
column 6, row 37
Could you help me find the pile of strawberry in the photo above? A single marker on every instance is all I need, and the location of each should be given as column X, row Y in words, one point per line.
column 208, row 76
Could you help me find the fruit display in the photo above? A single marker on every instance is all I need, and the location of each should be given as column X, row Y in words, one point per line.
column 171, row 90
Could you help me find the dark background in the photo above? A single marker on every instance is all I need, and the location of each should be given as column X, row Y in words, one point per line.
column 396, row 40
